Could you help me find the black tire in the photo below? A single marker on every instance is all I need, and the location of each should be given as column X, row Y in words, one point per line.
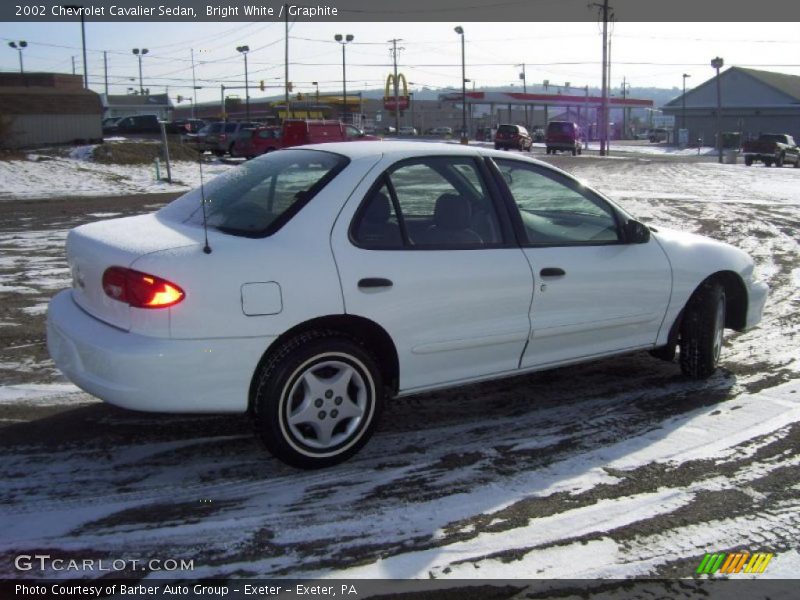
column 796, row 162
column 320, row 357
column 580, row 151
column 701, row 331
column 748, row 161
column 767, row 162
column 574, row 152
column 219, row 153
column 497, row 146
column 779, row 161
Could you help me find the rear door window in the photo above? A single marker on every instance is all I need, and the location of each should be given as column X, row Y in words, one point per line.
column 435, row 203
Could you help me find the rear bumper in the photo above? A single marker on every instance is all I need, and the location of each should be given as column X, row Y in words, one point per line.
column 756, row 299
column 562, row 145
column 151, row 374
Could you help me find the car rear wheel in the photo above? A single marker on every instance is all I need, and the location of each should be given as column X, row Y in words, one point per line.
column 701, row 331
column 317, row 400
column 767, row 162
column 748, row 161
column 574, row 152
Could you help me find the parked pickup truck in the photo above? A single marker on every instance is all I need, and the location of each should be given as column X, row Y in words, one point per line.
column 769, row 148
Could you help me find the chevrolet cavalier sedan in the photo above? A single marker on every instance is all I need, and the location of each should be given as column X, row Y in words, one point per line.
column 309, row 286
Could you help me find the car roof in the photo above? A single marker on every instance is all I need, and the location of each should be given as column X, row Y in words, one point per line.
column 399, row 150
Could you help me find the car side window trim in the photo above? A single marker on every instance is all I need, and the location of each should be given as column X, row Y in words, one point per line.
column 398, row 211
column 516, row 217
column 385, row 180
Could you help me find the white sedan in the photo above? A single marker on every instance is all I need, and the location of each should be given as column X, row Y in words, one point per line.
column 311, row 284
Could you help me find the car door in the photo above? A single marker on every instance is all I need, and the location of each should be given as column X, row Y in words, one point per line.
column 594, row 292
column 423, row 251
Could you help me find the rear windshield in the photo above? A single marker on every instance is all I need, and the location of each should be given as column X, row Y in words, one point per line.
column 258, row 197
column 507, row 129
column 560, row 127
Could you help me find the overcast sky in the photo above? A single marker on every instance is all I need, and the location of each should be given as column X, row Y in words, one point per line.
column 645, row 54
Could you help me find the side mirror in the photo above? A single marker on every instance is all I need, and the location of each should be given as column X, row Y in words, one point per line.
column 636, row 232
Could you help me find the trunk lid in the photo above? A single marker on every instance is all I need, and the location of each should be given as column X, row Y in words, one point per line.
column 93, row 248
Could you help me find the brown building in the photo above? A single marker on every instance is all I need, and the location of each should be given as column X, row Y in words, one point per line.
column 47, row 108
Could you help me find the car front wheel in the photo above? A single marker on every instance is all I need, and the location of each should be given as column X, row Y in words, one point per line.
column 317, row 400
column 701, row 331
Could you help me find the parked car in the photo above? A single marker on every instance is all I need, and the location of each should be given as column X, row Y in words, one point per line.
column 408, row 130
column 259, row 141
column 335, row 276
column 772, row 148
column 514, row 137
column 219, row 137
column 134, row 124
column 184, row 126
column 659, row 134
column 441, row 131
column 563, row 136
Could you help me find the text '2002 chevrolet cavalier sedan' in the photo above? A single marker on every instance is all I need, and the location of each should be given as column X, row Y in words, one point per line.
column 311, row 284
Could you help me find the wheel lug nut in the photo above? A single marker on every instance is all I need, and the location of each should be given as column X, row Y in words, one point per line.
column 321, row 414
column 318, row 402
column 329, row 394
column 334, row 413
column 338, row 400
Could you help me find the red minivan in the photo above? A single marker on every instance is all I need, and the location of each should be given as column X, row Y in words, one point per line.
column 563, row 136
column 298, row 132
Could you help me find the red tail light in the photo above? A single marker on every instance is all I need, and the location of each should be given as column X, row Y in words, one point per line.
column 140, row 290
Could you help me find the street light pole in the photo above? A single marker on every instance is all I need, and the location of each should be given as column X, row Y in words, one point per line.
column 18, row 46
column 717, row 64
column 464, row 137
column 344, row 40
column 244, row 50
column 139, row 54
column 524, row 91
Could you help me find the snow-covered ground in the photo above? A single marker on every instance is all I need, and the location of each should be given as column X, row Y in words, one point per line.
column 48, row 176
column 618, row 468
column 42, row 176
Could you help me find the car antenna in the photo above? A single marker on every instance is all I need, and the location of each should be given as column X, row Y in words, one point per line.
column 206, row 248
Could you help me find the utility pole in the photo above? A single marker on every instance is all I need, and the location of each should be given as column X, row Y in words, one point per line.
column 105, row 72
column 609, row 134
column 605, row 8
column 83, row 46
column 286, row 57
column 396, row 87
column 194, row 84
column 73, row 65
column 624, row 110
